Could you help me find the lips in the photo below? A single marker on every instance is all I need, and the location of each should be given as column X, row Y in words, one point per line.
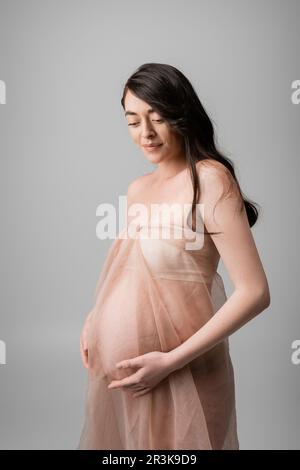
column 152, row 145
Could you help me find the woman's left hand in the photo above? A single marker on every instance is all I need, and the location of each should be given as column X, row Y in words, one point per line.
column 153, row 367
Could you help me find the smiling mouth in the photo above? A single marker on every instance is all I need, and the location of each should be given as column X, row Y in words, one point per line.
column 151, row 146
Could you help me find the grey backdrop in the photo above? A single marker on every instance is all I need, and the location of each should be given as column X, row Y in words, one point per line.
column 65, row 149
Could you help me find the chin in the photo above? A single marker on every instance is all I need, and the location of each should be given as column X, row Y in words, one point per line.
column 154, row 159
column 155, row 156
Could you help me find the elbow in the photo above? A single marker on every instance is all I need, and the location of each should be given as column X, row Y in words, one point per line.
column 259, row 296
column 264, row 297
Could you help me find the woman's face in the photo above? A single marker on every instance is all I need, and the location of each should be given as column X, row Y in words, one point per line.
column 146, row 126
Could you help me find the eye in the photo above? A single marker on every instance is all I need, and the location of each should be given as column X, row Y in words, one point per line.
column 136, row 123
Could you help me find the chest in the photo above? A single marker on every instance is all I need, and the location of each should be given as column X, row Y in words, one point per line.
column 168, row 202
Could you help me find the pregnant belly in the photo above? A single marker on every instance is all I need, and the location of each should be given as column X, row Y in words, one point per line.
column 124, row 327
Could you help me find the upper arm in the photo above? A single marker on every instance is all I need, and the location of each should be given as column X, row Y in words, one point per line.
column 222, row 202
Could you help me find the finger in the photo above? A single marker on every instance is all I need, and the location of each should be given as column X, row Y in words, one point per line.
column 130, row 386
column 127, row 363
column 137, row 386
column 86, row 359
column 126, row 382
column 140, row 393
column 124, row 365
column 81, row 352
column 84, row 355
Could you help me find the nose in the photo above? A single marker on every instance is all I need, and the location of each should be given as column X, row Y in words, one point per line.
column 147, row 130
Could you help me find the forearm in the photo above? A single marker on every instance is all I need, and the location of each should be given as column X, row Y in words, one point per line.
column 238, row 309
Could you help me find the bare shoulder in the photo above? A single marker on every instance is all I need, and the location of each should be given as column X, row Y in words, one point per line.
column 212, row 168
column 137, row 185
column 215, row 176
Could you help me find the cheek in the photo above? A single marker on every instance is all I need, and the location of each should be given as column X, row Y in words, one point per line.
column 133, row 134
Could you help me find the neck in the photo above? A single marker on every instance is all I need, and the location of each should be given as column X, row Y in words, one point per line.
column 166, row 170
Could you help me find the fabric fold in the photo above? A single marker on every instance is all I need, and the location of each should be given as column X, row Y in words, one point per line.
column 152, row 295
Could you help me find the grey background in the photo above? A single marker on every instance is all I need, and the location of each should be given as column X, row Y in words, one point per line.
column 65, row 149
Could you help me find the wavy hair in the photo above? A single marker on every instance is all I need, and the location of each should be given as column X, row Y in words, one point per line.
column 171, row 94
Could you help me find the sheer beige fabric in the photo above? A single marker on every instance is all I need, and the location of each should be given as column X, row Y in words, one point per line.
column 153, row 293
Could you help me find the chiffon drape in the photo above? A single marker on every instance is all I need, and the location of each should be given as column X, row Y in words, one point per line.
column 152, row 294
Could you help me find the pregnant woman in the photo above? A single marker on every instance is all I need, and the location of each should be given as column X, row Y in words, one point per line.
column 155, row 343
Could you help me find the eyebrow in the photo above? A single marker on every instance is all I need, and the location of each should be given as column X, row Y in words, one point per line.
column 131, row 113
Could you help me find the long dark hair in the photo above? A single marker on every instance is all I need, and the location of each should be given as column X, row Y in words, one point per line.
column 172, row 95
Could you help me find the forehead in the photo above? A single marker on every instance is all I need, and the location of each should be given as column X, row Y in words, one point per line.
column 135, row 106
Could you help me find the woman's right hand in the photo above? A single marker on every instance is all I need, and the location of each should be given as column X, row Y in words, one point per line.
column 84, row 344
